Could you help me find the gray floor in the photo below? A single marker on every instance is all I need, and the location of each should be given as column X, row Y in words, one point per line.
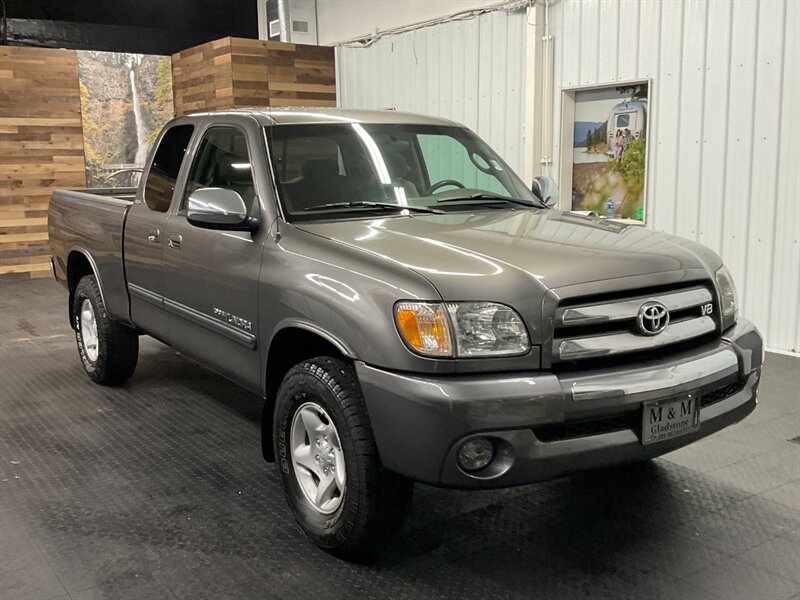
column 157, row 490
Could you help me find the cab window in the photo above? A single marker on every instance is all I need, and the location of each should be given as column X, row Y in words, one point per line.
column 167, row 160
column 293, row 154
column 222, row 161
column 448, row 158
column 347, row 164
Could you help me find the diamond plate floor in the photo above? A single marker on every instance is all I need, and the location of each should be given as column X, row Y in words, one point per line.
column 158, row 490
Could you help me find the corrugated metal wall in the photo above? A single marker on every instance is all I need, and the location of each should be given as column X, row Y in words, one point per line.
column 724, row 165
column 471, row 71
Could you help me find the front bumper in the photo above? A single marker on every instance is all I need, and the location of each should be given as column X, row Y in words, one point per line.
column 545, row 424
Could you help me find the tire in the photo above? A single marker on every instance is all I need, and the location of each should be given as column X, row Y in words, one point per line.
column 109, row 350
column 374, row 502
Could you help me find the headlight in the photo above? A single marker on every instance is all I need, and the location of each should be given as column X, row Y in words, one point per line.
column 727, row 293
column 475, row 328
column 487, row 329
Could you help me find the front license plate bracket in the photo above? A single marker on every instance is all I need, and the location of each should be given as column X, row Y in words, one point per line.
column 670, row 418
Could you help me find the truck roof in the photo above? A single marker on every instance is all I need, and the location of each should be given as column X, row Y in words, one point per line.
column 306, row 115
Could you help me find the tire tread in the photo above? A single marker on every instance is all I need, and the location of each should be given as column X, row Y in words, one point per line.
column 383, row 497
column 118, row 344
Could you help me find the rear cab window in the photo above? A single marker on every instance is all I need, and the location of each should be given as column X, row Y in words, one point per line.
column 163, row 174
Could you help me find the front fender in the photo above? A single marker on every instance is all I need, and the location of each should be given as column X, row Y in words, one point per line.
column 340, row 344
column 342, row 294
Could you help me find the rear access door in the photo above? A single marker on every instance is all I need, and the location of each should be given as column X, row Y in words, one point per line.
column 145, row 229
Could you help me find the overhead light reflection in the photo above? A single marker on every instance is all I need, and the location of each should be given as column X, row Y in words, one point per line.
column 369, row 235
column 313, row 115
column 337, row 287
column 496, row 268
column 400, row 194
column 375, row 153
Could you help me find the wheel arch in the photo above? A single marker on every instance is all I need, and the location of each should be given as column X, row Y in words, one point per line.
column 292, row 343
column 79, row 264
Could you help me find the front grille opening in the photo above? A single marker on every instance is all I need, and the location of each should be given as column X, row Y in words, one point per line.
column 722, row 393
column 556, row 432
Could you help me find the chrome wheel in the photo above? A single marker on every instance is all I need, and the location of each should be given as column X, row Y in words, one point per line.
column 89, row 330
column 317, row 458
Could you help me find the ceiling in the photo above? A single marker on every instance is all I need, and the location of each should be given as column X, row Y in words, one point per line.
column 146, row 26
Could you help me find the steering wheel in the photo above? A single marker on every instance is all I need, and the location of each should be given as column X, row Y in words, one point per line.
column 441, row 184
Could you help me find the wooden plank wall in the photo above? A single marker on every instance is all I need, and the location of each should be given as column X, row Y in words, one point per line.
column 201, row 77
column 237, row 72
column 41, row 149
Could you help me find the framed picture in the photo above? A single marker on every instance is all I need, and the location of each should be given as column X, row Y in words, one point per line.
column 604, row 149
column 125, row 100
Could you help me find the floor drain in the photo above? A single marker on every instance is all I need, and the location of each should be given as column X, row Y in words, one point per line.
column 796, row 440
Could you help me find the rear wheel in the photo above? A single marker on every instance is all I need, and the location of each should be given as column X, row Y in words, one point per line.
column 340, row 494
column 108, row 349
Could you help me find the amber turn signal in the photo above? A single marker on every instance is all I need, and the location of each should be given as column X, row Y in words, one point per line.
column 424, row 327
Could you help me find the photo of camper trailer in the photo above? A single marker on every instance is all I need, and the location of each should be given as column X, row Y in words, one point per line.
column 609, row 151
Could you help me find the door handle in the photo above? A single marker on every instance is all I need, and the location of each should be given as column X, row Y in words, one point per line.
column 154, row 236
column 175, row 240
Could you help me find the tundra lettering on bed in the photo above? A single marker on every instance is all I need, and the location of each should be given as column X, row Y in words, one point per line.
column 408, row 309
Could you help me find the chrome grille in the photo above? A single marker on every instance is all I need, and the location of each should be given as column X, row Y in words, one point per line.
column 608, row 328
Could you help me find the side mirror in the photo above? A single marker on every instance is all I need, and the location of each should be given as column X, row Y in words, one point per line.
column 546, row 189
column 218, row 208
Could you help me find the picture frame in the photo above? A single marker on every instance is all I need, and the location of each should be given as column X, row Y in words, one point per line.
column 604, row 149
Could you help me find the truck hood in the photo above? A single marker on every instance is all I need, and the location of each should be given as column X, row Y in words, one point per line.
column 516, row 256
column 550, row 247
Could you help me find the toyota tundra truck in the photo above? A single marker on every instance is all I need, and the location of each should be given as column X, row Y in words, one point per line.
column 407, row 307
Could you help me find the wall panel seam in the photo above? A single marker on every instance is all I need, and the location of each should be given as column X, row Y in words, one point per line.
column 774, row 241
column 753, row 104
column 704, row 67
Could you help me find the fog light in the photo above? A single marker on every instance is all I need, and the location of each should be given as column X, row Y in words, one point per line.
column 475, row 454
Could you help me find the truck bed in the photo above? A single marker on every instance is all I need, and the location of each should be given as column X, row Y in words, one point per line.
column 89, row 222
column 119, row 193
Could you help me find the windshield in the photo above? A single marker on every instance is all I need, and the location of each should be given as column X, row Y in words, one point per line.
column 325, row 171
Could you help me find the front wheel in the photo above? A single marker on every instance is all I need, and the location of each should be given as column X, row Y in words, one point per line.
column 340, row 494
column 108, row 349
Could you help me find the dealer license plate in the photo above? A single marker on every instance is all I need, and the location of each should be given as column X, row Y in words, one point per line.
column 667, row 419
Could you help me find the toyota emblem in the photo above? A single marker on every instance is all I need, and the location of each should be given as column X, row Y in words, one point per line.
column 653, row 318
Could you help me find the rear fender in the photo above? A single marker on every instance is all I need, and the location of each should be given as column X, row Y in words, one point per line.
column 79, row 264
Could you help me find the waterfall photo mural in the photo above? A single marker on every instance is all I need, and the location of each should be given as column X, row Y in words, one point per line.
column 125, row 100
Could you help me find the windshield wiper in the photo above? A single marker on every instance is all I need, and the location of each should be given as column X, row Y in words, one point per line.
column 493, row 198
column 378, row 205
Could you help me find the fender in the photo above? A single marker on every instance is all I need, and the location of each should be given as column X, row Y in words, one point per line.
column 267, row 448
column 340, row 344
column 95, row 271
column 296, row 323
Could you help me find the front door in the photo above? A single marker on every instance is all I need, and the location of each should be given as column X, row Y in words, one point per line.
column 211, row 275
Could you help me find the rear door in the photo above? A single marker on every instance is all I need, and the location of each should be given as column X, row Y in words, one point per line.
column 145, row 229
column 211, row 275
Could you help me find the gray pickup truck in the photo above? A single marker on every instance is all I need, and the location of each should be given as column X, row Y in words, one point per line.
column 406, row 306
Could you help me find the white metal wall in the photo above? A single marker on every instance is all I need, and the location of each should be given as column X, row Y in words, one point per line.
column 470, row 71
column 724, row 165
column 341, row 20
